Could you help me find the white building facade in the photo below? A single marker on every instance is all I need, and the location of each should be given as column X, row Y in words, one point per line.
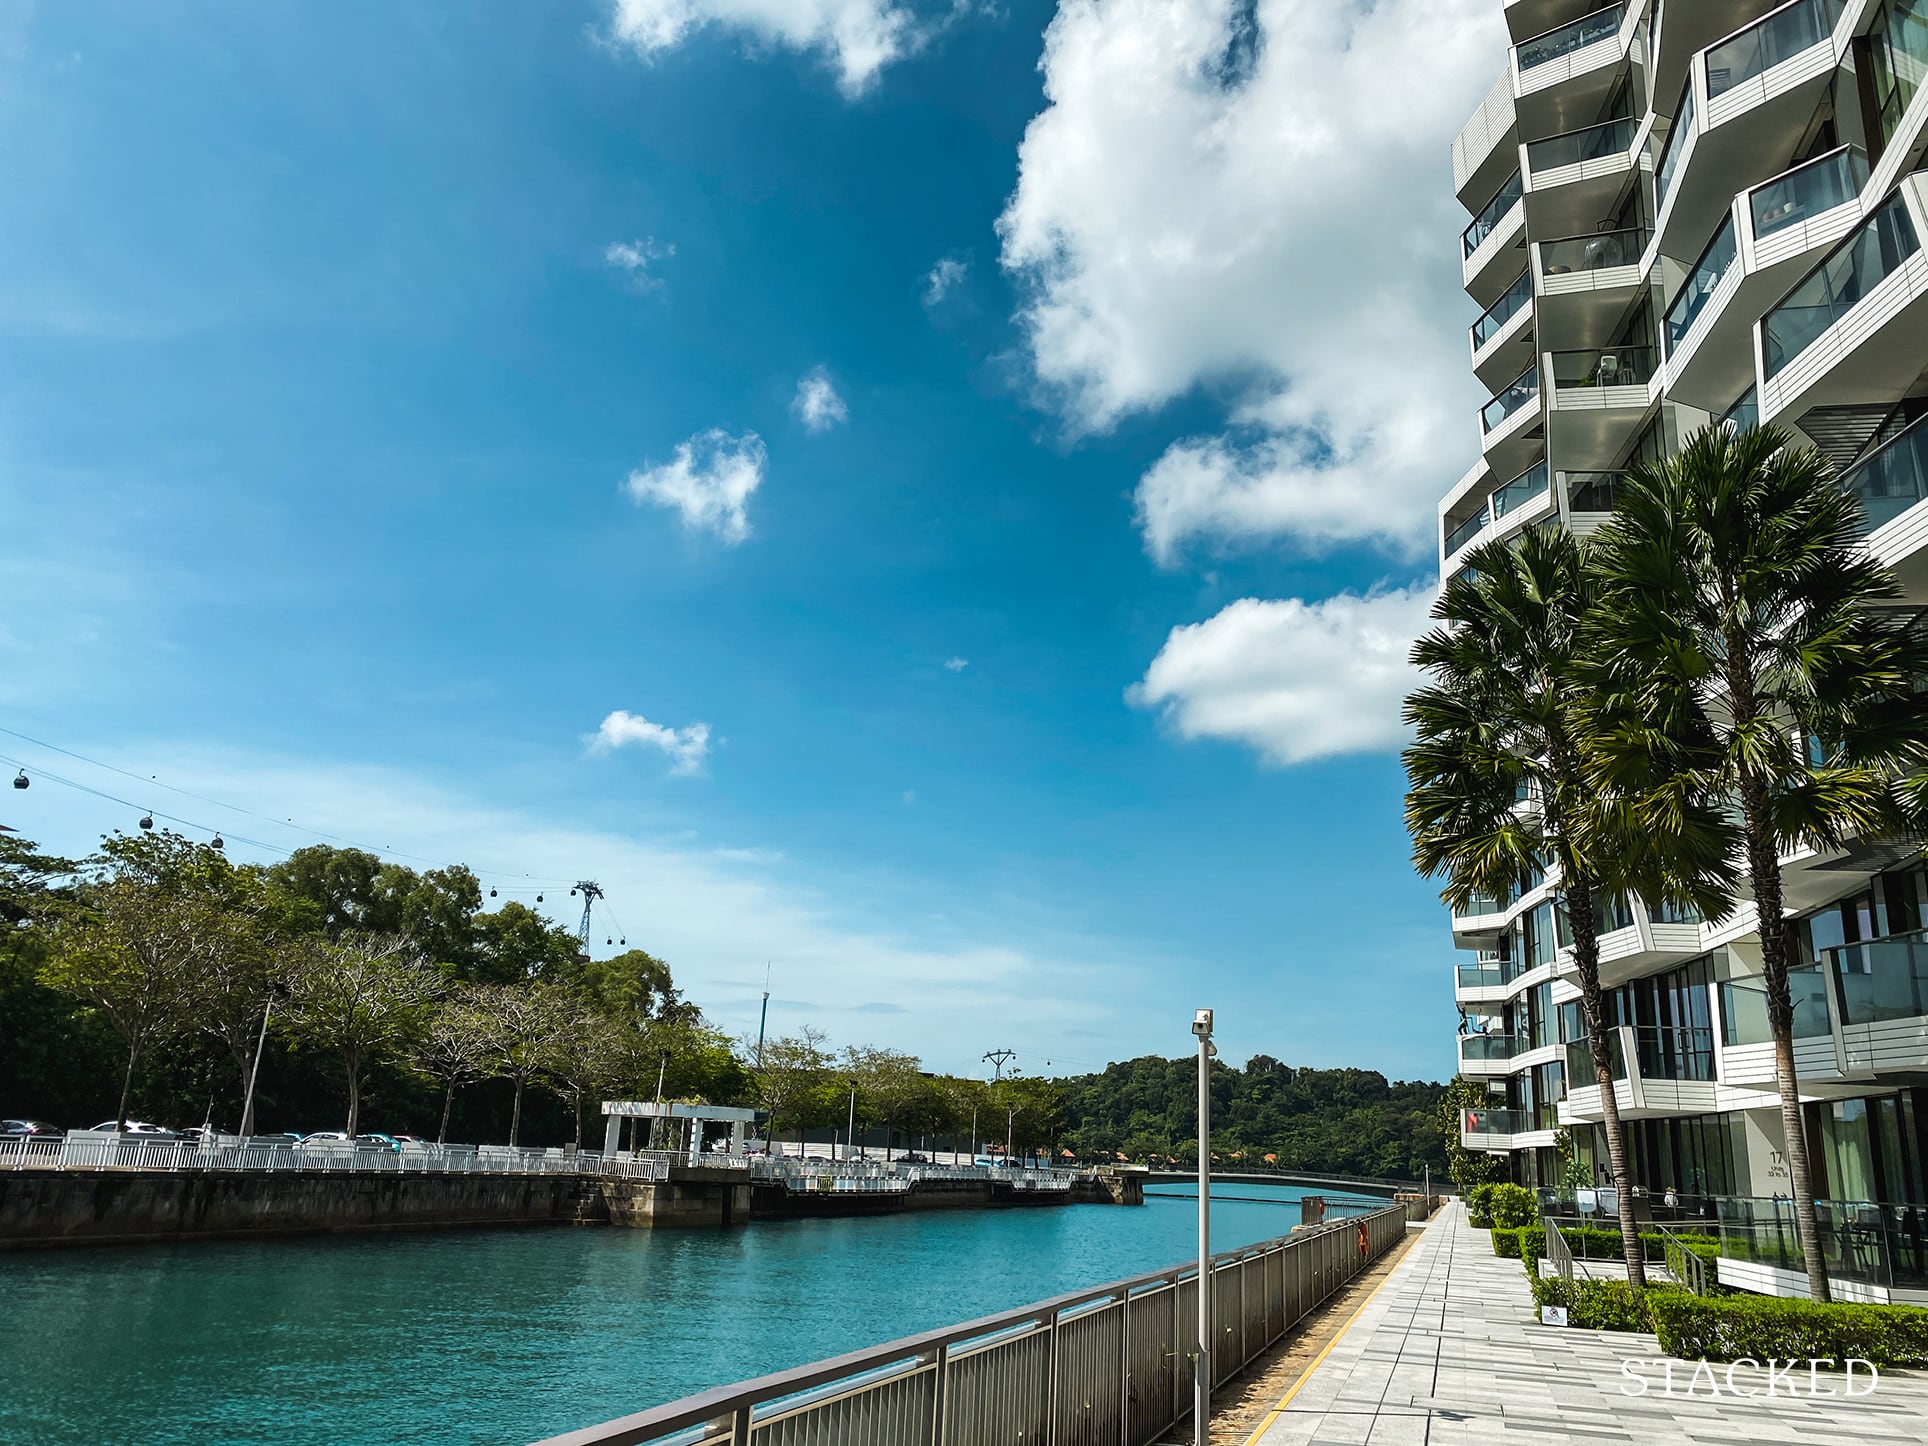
column 1686, row 211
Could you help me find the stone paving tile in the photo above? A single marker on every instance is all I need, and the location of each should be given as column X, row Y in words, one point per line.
column 1448, row 1353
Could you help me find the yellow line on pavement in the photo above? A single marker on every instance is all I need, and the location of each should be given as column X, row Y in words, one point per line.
column 1306, row 1375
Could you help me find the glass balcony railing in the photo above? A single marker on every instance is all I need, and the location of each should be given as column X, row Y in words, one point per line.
column 1809, row 189
column 1900, row 56
column 1566, row 39
column 1874, row 1243
column 1714, row 263
column 1492, row 1122
column 1580, row 1068
column 1874, row 252
column 1529, row 486
column 1490, row 216
column 1674, row 914
column 1674, row 1052
column 1890, row 481
column 1593, row 252
column 1593, row 492
column 1502, row 311
column 1525, row 388
column 1770, row 40
column 1481, row 976
column 1745, row 413
column 1591, row 143
column 1743, row 1008
column 1884, row 979
column 1489, row 1047
column 1611, row 366
column 1675, row 145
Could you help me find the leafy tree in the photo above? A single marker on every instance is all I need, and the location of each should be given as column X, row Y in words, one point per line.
column 634, row 985
column 888, row 1083
column 455, row 1048
column 525, row 1024
column 142, row 935
column 795, row 1069
column 360, row 998
column 1743, row 650
column 1466, row 1168
column 516, row 944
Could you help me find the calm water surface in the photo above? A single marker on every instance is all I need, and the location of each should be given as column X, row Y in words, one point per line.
column 508, row 1336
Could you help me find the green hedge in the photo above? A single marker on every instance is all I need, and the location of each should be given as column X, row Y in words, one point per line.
column 1479, row 1206
column 1513, row 1206
column 1590, row 1242
column 1762, row 1327
column 1600, row 1305
column 1506, row 1243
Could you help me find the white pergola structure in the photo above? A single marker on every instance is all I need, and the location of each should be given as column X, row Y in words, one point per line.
column 688, row 1125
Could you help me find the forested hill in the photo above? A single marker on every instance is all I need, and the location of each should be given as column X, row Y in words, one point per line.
column 1349, row 1121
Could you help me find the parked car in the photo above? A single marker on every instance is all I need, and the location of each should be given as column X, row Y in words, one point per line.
column 202, row 1134
column 279, row 1137
column 911, row 1157
column 325, row 1137
column 412, row 1140
column 138, row 1127
column 27, row 1129
column 386, row 1142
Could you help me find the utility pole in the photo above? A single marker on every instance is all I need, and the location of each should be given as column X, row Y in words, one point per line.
column 997, row 1059
column 247, row 1105
column 1010, row 1118
column 763, row 1018
column 1202, row 1382
column 851, row 1141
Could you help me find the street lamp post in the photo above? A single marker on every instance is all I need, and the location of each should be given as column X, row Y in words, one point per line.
column 1202, row 1380
column 850, row 1140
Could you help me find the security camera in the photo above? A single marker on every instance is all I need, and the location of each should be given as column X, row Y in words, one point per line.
column 1202, row 1023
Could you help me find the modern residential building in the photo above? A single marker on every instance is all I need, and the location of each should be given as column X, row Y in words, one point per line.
column 1685, row 211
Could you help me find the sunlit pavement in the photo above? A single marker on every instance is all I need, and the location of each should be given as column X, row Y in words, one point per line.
column 1448, row 1352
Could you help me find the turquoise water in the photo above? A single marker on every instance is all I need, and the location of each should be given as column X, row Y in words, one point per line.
column 508, row 1336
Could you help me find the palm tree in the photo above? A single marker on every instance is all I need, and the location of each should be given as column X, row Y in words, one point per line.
column 1502, row 719
column 1741, row 650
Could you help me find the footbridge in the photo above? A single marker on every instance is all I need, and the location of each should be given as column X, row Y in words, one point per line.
column 1349, row 1184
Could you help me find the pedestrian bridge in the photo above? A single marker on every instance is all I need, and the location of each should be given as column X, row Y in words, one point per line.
column 1350, row 1184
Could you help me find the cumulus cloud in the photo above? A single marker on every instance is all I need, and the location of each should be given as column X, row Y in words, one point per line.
column 957, row 665
column 1252, row 194
column 1295, row 680
column 634, row 258
column 687, row 747
column 857, row 38
column 943, row 276
column 709, row 481
column 817, row 404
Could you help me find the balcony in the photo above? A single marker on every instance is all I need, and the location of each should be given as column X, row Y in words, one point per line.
column 1487, row 1056
column 1487, row 983
column 1590, row 498
column 1888, row 483
column 1491, row 1129
column 1573, row 179
column 1872, row 1251
column 1849, row 332
column 1488, row 145
column 1747, row 1043
column 1509, row 424
column 1488, row 244
column 1584, row 284
column 1502, row 339
column 1658, row 1070
column 1682, row 31
column 1598, row 398
column 1884, row 981
column 1565, row 74
column 1748, row 101
column 1525, row 499
column 1803, row 201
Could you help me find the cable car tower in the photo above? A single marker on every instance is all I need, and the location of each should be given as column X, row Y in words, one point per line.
column 590, row 891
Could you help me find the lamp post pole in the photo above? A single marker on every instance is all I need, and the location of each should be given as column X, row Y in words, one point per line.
column 1202, row 1376
column 260, row 1048
column 850, row 1140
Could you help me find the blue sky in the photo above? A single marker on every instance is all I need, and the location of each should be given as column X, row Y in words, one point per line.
column 345, row 360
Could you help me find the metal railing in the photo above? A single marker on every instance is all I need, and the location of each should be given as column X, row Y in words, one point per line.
column 1683, row 1265
column 1115, row 1363
column 1565, row 39
column 1873, row 252
column 1589, row 143
column 1557, row 1249
column 1893, row 478
column 89, row 1150
column 1775, row 37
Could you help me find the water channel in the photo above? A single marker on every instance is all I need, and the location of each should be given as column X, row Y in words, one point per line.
column 508, row 1336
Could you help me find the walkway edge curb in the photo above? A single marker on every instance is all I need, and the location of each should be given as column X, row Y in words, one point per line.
column 1306, row 1375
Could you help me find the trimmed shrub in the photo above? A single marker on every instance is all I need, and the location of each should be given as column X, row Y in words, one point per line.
column 1513, row 1206
column 1506, row 1243
column 1763, row 1327
column 1600, row 1305
column 1479, row 1206
column 1591, row 1242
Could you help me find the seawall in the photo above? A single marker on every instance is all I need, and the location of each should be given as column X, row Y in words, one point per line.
column 40, row 1208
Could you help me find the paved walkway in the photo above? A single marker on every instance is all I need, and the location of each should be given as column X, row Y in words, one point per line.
column 1448, row 1353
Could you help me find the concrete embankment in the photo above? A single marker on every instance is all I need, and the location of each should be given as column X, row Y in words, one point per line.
column 122, row 1207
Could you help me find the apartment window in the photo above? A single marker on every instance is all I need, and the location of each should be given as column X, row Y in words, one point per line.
column 1900, row 54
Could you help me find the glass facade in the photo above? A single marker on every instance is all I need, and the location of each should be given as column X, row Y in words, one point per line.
column 1859, row 264
column 1900, row 56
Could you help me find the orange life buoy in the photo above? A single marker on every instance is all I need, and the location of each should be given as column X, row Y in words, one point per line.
column 1365, row 1247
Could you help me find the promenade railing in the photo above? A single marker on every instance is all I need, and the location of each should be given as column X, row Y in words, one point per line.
column 1115, row 1363
column 92, row 1150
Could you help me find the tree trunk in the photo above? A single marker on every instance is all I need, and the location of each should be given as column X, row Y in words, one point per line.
column 577, row 1100
column 515, row 1115
column 448, row 1104
column 1764, row 871
column 1593, row 1008
column 127, row 1085
column 354, row 1099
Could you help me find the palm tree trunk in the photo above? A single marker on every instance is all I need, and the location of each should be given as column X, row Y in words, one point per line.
column 448, row 1104
column 1764, row 871
column 1593, row 1008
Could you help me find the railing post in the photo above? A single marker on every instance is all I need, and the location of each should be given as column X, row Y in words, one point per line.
column 1051, row 1385
column 1124, row 1369
column 940, row 1390
column 740, row 1427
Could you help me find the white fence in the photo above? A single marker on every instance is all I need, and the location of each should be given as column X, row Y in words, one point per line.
column 104, row 1150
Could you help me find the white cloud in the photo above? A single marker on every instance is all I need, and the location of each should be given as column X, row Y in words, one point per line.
column 709, row 481
column 957, row 665
column 857, row 37
column 1295, row 680
column 817, row 404
column 687, row 746
column 1268, row 210
column 634, row 258
column 943, row 276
